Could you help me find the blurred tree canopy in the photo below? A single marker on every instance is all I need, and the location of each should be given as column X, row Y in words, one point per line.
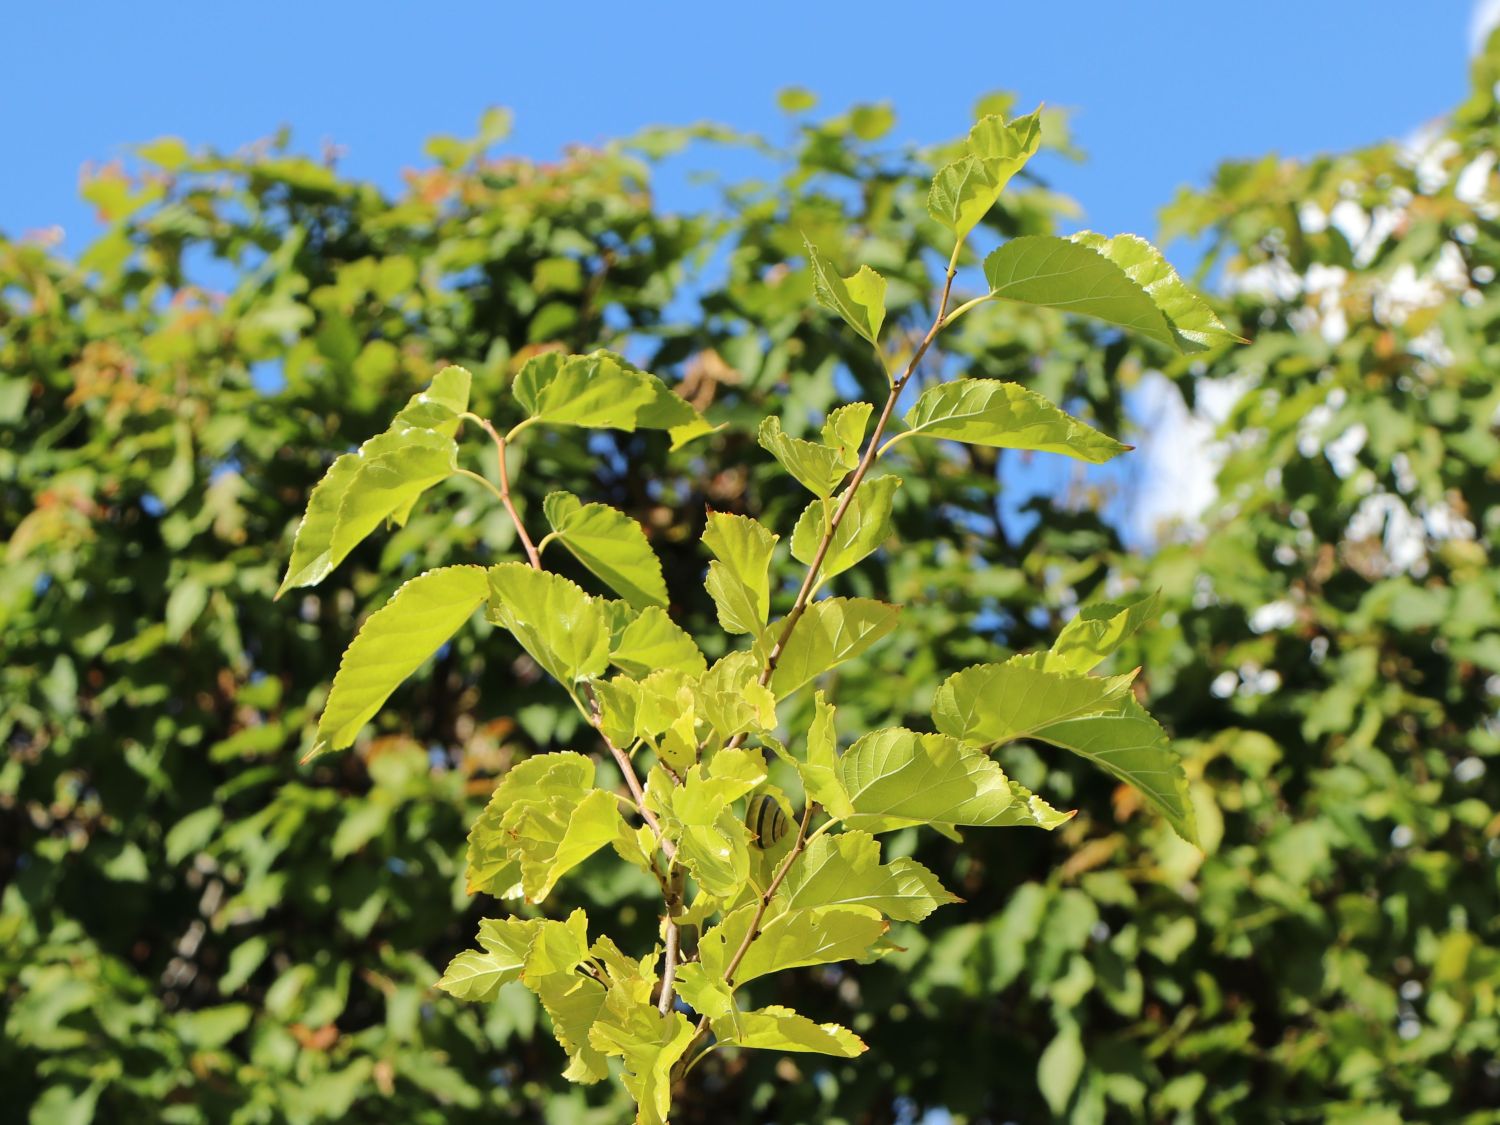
column 193, row 928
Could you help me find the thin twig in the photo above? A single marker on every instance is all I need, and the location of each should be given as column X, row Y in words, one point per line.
column 504, row 490
column 799, row 606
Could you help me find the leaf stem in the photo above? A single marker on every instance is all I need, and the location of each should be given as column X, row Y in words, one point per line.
column 872, row 449
column 504, row 490
column 799, row 606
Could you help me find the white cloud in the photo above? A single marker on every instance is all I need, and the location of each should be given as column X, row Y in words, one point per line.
column 1485, row 18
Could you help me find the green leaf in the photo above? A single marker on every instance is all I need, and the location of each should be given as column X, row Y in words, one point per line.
column 414, row 448
column 819, row 770
column 1060, row 1067
column 494, row 867
column 818, row 467
column 1122, row 280
column 393, row 643
column 963, row 192
column 1006, row 146
column 478, row 975
column 573, row 1003
column 650, row 1044
column 1097, row 631
column 844, row 430
column 713, row 842
column 730, row 698
column 1194, row 323
column 829, row 632
column 652, row 642
column 360, row 491
column 739, row 579
column 865, row 526
column 859, row 298
column 780, row 1029
column 993, row 703
column 563, row 629
column 552, row 837
column 896, row 778
column 816, row 936
column 845, row 869
column 611, row 545
column 1005, row 416
column 1129, row 744
column 602, row 391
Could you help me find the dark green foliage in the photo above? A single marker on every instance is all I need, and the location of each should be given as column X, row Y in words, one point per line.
column 193, row 928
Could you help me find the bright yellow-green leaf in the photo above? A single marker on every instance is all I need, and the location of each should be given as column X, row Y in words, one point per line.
column 845, row 868
column 602, row 391
column 1128, row 743
column 1006, row 146
column 819, row 768
column 652, row 642
column 896, row 778
column 1095, row 632
column 381, row 480
column 962, row 193
column 1005, row 416
column 799, row 937
column 730, row 697
column 650, row 1044
column 1193, row 322
column 865, row 526
column 993, row 703
column 563, row 629
column 494, row 866
column 610, row 544
column 739, row 577
column 393, row 643
column 1122, row 280
column 478, row 974
column 844, row 430
column 553, row 836
column 706, row 993
column 818, row 467
column 781, row 1029
column 829, row 632
column 573, row 1003
column 859, row 298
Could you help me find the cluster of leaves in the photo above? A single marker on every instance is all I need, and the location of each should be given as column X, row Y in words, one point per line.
column 194, row 929
column 740, row 901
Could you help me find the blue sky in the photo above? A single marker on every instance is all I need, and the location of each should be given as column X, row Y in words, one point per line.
column 1162, row 89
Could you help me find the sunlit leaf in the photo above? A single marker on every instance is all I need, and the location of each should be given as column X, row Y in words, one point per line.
column 994, row 703
column 1129, row 744
column 652, row 642
column 602, row 391
column 393, row 643
column 563, row 629
column 739, row 577
column 610, row 544
column 1005, row 416
column 818, row 467
column 829, row 632
column 896, row 778
column 781, row 1029
column 865, row 527
column 858, row 298
column 845, row 869
column 1095, row 632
